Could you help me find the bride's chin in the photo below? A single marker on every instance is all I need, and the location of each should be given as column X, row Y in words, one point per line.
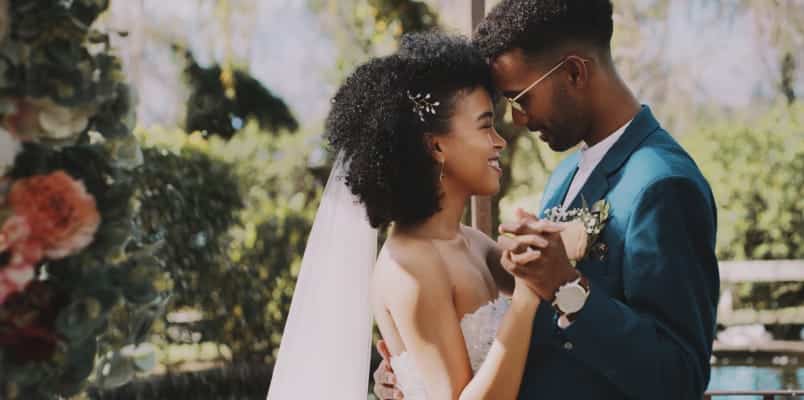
column 491, row 190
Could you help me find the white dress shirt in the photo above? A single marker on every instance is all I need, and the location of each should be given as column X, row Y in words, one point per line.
column 590, row 157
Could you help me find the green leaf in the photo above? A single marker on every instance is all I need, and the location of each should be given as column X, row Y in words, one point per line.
column 80, row 361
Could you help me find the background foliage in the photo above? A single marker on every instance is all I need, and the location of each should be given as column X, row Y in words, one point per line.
column 755, row 169
column 65, row 324
column 232, row 186
column 234, row 229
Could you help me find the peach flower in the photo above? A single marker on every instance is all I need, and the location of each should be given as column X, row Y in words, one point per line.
column 36, row 119
column 61, row 214
column 575, row 239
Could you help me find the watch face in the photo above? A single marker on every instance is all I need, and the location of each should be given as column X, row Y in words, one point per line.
column 570, row 299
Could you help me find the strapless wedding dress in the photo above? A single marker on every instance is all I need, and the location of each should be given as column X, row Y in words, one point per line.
column 479, row 330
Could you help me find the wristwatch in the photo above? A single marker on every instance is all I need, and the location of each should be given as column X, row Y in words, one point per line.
column 571, row 297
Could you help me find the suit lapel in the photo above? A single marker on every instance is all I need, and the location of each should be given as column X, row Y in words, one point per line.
column 597, row 186
column 563, row 175
column 558, row 195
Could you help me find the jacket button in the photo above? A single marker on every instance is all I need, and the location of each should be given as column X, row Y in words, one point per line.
column 568, row 346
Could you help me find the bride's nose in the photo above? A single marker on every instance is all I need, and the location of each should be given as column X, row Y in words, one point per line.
column 497, row 140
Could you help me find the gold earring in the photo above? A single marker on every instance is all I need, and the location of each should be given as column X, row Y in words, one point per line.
column 441, row 175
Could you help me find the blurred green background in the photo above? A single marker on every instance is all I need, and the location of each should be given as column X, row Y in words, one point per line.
column 232, row 96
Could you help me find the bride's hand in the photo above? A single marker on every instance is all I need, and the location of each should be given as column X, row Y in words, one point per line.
column 523, row 292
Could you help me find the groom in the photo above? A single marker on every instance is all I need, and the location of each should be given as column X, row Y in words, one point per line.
column 636, row 319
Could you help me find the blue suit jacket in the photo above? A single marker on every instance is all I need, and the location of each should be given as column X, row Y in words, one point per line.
column 646, row 330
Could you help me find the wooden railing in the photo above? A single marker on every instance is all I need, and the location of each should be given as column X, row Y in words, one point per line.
column 733, row 272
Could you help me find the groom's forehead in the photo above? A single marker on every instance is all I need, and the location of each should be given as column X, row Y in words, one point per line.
column 510, row 69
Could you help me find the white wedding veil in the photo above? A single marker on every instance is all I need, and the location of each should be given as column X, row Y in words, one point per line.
column 326, row 345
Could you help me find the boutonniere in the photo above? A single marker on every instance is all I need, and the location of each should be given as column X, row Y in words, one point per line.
column 582, row 228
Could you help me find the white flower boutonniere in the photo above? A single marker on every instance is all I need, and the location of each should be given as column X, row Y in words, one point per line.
column 582, row 228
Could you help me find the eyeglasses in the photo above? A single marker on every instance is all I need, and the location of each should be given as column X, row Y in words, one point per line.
column 514, row 102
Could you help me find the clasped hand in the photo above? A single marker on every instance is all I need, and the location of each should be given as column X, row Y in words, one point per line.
column 532, row 250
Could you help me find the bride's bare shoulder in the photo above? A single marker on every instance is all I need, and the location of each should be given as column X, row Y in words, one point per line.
column 405, row 262
column 478, row 238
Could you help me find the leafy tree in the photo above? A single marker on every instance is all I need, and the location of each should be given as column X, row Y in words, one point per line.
column 222, row 100
column 363, row 29
column 755, row 169
column 234, row 245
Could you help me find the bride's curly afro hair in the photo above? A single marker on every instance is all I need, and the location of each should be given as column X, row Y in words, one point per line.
column 374, row 128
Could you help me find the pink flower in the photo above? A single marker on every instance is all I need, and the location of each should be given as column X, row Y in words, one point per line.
column 61, row 215
column 23, row 254
column 14, row 278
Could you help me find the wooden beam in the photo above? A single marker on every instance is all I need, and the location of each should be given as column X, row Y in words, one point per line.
column 478, row 12
column 733, row 272
column 762, row 271
column 481, row 214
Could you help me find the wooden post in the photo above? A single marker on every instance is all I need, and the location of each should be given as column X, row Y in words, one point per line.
column 481, row 205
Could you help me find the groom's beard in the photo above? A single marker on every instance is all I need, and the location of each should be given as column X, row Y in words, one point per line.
column 566, row 127
column 560, row 138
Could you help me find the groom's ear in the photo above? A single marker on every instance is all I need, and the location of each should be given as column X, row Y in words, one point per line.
column 577, row 72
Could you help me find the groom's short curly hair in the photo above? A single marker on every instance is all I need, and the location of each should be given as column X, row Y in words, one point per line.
column 538, row 26
column 373, row 125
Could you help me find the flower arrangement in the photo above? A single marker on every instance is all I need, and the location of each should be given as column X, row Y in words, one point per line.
column 71, row 255
column 582, row 228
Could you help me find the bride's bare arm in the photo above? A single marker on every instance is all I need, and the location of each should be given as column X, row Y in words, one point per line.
column 500, row 375
column 419, row 297
column 418, row 294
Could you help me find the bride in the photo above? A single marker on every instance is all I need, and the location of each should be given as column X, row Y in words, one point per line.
column 414, row 138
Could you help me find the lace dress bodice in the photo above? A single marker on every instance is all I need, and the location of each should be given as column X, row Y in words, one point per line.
column 479, row 330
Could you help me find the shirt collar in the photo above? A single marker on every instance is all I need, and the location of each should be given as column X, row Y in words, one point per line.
column 591, row 156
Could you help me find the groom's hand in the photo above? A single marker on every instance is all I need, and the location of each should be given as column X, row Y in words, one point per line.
column 384, row 378
column 534, row 252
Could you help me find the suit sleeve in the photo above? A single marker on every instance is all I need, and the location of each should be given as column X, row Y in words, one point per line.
column 656, row 343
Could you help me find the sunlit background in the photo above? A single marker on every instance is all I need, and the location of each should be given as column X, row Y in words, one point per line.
column 723, row 77
column 231, row 96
